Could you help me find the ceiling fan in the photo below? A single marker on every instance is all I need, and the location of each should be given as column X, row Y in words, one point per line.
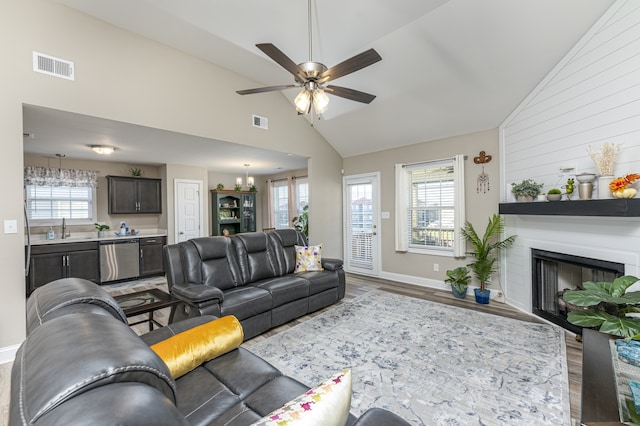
column 312, row 77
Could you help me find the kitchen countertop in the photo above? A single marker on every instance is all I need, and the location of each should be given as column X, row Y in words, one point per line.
column 79, row 237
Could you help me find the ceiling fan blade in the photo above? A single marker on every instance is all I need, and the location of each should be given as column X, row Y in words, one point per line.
column 283, row 60
column 264, row 89
column 352, row 64
column 351, row 94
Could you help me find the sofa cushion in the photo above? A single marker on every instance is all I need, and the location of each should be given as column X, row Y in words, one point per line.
column 320, row 281
column 326, row 404
column 245, row 302
column 256, row 256
column 284, row 241
column 190, row 348
column 228, row 379
column 284, row 289
column 308, row 258
column 49, row 375
column 210, row 261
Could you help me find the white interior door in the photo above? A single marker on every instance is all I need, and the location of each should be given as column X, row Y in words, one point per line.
column 361, row 212
column 188, row 209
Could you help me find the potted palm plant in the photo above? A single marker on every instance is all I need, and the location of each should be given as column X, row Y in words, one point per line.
column 484, row 251
column 459, row 279
column 526, row 190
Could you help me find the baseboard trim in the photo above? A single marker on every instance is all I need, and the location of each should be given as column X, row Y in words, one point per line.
column 496, row 294
column 8, row 353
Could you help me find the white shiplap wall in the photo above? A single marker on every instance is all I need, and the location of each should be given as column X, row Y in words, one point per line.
column 592, row 96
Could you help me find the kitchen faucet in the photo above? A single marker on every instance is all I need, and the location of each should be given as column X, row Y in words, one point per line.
column 64, row 229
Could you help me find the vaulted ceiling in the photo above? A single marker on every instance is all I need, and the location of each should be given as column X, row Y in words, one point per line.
column 448, row 67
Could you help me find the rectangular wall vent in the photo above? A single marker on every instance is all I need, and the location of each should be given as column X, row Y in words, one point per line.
column 260, row 122
column 52, row 66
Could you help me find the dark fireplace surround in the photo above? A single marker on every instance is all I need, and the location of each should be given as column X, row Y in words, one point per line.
column 553, row 273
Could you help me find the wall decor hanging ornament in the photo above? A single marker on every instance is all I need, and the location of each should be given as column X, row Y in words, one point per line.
column 483, row 178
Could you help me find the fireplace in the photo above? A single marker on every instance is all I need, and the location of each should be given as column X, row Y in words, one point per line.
column 554, row 273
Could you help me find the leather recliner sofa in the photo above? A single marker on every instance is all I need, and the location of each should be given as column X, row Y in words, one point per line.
column 81, row 364
column 250, row 276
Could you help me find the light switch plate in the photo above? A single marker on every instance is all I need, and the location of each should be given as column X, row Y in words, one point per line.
column 10, row 226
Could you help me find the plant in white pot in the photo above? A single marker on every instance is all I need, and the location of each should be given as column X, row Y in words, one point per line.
column 484, row 251
column 526, row 190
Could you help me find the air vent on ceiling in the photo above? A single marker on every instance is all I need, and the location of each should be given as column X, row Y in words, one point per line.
column 260, row 122
column 52, row 66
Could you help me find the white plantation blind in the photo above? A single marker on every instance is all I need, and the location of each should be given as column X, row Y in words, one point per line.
column 431, row 199
column 52, row 203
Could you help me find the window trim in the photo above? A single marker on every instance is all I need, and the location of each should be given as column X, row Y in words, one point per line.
column 402, row 229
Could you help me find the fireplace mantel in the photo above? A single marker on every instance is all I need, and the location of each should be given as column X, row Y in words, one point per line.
column 614, row 207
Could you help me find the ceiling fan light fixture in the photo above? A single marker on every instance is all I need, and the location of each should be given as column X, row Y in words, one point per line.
column 103, row 149
column 303, row 101
column 320, row 101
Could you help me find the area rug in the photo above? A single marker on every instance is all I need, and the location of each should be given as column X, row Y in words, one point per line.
column 430, row 363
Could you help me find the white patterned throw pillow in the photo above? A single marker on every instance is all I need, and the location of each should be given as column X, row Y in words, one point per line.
column 308, row 258
column 327, row 404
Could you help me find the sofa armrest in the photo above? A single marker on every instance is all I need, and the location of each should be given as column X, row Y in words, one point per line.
column 163, row 333
column 331, row 264
column 379, row 416
column 198, row 294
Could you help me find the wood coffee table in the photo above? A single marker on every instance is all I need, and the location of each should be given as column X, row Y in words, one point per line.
column 145, row 302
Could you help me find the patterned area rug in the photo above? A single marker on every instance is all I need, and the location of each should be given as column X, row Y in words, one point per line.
column 430, row 363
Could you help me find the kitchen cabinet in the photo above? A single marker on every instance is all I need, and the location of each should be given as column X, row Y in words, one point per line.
column 134, row 195
column 53, row 261
column 233, row 212
column 151, row 260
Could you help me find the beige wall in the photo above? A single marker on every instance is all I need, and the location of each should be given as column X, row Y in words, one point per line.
column 121, row 76
column 479, row 206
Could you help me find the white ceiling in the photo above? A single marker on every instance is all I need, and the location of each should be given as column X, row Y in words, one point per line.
column 448, row 67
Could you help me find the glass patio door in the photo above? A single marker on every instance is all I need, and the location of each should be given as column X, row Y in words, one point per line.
column 361, row 226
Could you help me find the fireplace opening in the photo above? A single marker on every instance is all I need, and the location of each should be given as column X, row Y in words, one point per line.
column 555, row 273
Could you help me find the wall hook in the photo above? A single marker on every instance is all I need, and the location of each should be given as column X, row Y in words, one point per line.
column 482, row 158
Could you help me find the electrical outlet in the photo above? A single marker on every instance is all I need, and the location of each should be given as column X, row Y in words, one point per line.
column 436, row 267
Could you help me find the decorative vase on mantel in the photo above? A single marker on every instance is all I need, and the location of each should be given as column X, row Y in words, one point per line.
column 603, row 187
column 524, row 198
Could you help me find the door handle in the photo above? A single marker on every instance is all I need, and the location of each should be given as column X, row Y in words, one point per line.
column 181, row 233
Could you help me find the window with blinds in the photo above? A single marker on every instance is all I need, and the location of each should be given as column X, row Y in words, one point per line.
column 431, row 205
column 49, row 204
column 281, row 204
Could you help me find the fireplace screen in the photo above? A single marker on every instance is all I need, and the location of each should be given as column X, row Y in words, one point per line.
column 555, row 273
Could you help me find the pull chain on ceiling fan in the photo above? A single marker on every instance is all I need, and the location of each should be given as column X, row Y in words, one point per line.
column 312, row 76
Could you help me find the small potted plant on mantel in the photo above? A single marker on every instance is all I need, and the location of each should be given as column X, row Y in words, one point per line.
column 554, row 194
column 526, row 190
column 484, row 252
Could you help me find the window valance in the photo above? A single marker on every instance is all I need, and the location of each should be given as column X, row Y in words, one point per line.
column 44, row 176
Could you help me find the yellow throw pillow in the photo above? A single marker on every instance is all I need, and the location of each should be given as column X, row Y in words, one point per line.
column 189, row 349
column 327, row 404
column 308, row 258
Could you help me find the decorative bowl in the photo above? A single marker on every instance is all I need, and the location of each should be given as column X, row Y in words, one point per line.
column 586, row 177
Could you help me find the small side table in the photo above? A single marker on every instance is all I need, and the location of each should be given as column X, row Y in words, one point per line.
column 145, row 302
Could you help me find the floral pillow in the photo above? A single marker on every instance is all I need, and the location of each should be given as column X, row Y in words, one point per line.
column 308, row 258
column 326, row 404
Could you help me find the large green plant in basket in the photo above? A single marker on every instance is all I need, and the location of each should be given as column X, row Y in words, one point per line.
column 609, row 307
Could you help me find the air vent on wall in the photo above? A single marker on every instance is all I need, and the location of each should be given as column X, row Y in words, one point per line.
column 260, row 122
column 52, row 66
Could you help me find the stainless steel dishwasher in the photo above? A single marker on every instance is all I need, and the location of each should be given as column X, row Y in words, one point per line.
column 119, row 260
